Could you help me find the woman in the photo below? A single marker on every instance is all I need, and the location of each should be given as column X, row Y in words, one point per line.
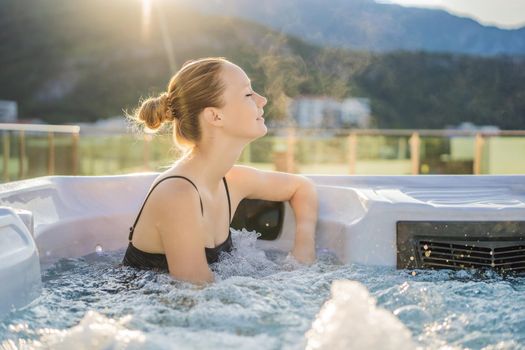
column 185, row 219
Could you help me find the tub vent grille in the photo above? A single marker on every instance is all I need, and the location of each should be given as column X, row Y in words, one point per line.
column 439, row 254
column 498, row 245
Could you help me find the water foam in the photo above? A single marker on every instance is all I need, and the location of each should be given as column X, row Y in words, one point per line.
column 352, row 320
column 94, row 332
column 265, row 300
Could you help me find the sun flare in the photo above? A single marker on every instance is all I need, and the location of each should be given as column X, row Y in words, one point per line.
column 146, row 18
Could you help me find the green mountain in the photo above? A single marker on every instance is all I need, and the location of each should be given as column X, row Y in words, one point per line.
column 72, row 61
column 373, row 25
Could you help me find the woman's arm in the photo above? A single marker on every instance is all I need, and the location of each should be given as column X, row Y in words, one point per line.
column 304, row 203
column 278, row 186
column 179, row 223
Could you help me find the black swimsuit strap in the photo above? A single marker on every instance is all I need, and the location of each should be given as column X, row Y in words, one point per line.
column 143, row 204
column 229, row 204
column 202, row 210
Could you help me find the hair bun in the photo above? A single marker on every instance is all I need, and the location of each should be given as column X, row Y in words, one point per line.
column 171, row 106
column 165, row 107
column 154, row 111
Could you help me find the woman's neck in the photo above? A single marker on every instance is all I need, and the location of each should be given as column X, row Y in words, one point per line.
column 208, row 166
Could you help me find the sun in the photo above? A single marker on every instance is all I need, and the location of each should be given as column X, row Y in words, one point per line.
column 146, row 18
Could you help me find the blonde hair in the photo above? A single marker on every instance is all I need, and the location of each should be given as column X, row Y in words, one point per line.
column 195, row 86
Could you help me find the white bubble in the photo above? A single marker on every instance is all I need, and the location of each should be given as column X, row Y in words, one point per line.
column 371, row 327
column 95, row 331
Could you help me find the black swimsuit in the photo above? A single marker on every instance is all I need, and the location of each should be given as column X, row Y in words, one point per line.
column 140, row 259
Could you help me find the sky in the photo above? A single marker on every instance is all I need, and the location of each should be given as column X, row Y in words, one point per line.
column 507, row 14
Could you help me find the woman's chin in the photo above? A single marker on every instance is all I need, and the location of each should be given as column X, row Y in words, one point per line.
column 265, row 130
column 262, row 132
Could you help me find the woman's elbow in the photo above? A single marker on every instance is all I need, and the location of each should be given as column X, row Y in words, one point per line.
column 307, row 190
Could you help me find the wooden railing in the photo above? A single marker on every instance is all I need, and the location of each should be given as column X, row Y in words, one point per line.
column 414, row 141
column 286, row 155
column 22, row 129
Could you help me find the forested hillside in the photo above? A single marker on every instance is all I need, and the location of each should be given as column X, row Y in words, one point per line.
column 72, row 61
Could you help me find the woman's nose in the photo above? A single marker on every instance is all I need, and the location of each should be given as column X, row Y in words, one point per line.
column 263, row 101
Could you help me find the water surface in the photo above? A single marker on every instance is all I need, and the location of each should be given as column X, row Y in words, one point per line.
column 263, row 300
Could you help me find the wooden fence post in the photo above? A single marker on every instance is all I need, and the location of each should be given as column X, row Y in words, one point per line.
column 74, row 152
column 352, row 151
column 147, row 151
column 22, row 154
column 414, row 152
column 478, row 153
column 6, row 153
column 51, row 153
column 290, row 150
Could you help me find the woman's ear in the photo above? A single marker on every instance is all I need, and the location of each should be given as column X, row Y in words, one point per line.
column 211, row 115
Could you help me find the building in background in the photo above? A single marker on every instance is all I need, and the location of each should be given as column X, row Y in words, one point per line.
column 327, row 112
column 8, row 111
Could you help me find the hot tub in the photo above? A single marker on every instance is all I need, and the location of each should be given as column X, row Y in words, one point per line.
column 403, row 221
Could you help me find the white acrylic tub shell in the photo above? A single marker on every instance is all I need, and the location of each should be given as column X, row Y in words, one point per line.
column 357, row 214
column 19, row 265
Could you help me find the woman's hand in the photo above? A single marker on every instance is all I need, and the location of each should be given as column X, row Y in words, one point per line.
column 304, row 254
column 305, row 203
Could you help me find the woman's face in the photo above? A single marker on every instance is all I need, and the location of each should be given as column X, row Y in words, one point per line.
column 243, row 107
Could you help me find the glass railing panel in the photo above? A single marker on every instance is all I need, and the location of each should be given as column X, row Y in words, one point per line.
column 446, row 155
column 32, row 153
column 382, row 155
column 503, row 155
column 321, row 155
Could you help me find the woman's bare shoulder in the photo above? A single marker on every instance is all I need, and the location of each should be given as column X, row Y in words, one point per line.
column 236, row 177
column 172, row 191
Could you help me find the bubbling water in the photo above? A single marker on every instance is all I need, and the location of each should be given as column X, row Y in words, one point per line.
column 352, row 320
column 266, row 300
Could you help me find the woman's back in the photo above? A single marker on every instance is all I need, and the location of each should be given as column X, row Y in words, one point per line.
column 149, row 251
